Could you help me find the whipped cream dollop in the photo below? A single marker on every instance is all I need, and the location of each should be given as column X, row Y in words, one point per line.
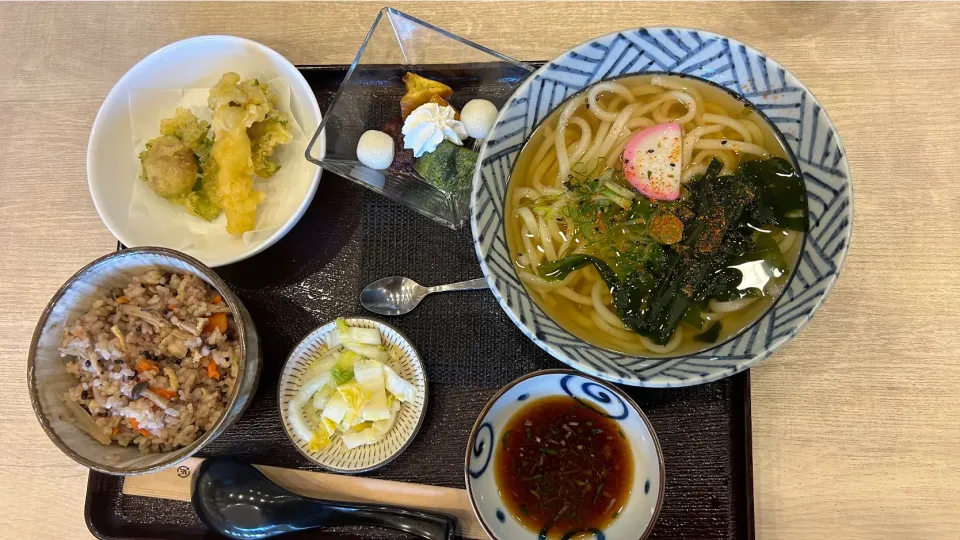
column 428, row 125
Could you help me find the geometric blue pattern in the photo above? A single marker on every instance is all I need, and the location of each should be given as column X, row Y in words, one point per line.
column 803, row 125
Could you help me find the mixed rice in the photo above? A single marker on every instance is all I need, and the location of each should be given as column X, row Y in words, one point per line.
column 156, row 362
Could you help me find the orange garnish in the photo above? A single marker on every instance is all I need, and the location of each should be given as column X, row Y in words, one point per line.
column 666, row 228
column 216, row 299
column 212, row 370
column 122, row 300
column 145, row 365
column 419, row 91
column 134, row 424
column 163, row 392
column 216, row 321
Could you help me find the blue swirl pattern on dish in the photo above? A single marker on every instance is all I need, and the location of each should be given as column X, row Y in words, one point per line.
column 482, row 451
column 597, row 396
column 778, row 95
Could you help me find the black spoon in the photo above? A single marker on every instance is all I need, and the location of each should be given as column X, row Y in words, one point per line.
column 238, row 501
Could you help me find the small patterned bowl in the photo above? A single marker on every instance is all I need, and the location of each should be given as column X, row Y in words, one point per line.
column 646, row 497
column 772, row 91
column 365, row 458
column 48, row 378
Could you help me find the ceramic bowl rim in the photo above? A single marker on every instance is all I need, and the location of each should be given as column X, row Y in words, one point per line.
column 233, row 302
column 313, row 109
column 413, row 434
column 606, row 385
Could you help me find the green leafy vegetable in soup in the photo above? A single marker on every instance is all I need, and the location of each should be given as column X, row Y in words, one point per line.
column 640, row 225
column 722, row 234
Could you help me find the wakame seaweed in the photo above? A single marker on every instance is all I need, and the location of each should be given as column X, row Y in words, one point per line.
column 711, row 334
column 779, row 188
column 720, row 203
column 726, row 222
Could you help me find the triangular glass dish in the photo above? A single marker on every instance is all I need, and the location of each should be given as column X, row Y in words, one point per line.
column 369, row 98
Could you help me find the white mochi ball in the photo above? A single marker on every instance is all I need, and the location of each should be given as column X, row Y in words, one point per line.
column 375, row 149
column 478, row 116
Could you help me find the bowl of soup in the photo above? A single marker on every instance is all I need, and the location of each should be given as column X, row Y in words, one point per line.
column 662, row 207
column 559, row 454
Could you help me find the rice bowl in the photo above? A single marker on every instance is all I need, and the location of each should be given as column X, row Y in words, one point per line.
column 202, row 409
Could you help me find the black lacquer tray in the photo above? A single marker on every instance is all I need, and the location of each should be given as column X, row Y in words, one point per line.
column 349, row 237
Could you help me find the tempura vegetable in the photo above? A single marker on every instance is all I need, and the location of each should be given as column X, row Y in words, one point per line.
column 238, row 107
column 265, row 137
column 206, row 171
column 169, row 166
column 235, row 110
column 186, row 127
column 201, row 200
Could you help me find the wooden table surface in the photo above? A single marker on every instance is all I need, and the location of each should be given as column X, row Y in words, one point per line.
column 856, row 423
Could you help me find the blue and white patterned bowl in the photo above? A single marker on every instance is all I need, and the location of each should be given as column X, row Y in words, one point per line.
column 646, row 496
column 802, row 124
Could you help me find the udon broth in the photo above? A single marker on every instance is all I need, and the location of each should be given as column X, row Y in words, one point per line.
column 598, row 123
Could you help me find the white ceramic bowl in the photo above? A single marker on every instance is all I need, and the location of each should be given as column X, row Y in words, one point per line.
column 640, row 513
column 112, row 167
column 365, row 458
column 48, row 377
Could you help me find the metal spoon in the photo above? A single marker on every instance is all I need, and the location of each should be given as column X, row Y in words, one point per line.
column 396, row 295
column 238, row 501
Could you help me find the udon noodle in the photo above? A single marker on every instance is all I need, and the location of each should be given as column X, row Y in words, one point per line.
column 582, row 143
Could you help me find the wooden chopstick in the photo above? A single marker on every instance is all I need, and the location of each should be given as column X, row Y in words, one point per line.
column 175, row 483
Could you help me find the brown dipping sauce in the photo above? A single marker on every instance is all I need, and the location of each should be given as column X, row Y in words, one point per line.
column 563, row 467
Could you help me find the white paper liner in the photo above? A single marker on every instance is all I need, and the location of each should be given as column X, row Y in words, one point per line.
column 170, row 225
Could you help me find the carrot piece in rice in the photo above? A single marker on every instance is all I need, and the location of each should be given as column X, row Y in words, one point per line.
column 163, row 392
column 146, row 365
column 217, row 321
column 212, row 370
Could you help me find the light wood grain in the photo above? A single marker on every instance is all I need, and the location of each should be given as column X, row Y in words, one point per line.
column 856, row 422
column 176, row 483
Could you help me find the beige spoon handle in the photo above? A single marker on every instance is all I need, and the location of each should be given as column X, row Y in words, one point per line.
column 175, row 483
